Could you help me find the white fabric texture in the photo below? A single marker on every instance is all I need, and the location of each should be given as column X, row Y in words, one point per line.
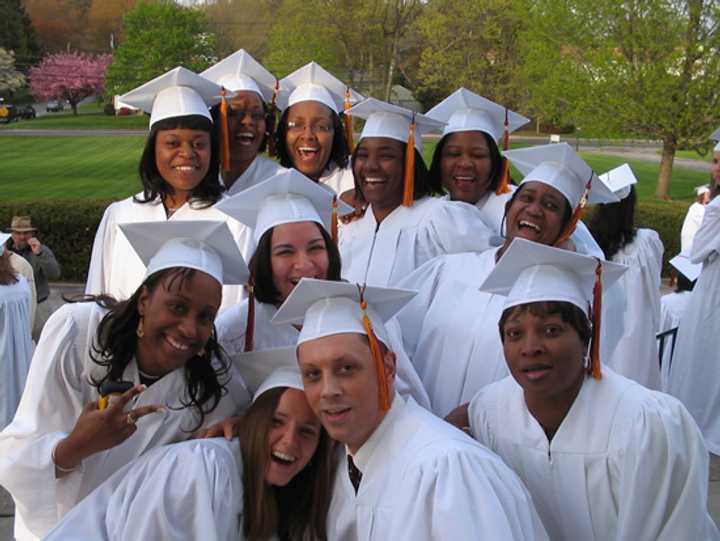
column 181, row 492
column 695, row 372
column 16, row 347
column 425, row 480
column 382, row 254
column 57, row 389
column 115, row 268
column 626, row 463
column 691, row 224
column 339, row 179
column 22, row 267
column 636, row 355
column 259, row 170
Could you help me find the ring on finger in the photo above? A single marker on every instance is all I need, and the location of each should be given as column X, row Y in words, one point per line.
column 130, row 419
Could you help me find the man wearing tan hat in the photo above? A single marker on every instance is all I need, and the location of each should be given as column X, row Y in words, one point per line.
column 45, row 267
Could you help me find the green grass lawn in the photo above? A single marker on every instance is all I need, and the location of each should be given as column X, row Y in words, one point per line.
column 106, row 168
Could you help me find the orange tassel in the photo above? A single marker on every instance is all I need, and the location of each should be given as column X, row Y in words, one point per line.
column 376, row 352
column 272, row 146
column 577, row 214
column 504, row 185
column 334, row 220
column 409, row 189
column 594, row 368
column 224, row 132
column 348, row 120
column 250, row 325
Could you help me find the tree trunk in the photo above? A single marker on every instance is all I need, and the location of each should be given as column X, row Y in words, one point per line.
column 391, row 65
column 666, row 167
column 74, row 105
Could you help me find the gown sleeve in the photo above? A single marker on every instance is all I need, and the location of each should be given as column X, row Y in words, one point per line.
column 690, row 225
column 185, row 491
column 230, row 326
column 101, row 255
column 462, row 492
column 50, row 405
column 661, row 462
column 707, row 238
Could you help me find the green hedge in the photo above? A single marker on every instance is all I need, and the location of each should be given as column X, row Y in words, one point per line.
column 67, row 227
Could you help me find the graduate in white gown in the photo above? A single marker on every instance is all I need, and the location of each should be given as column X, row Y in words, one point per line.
column 248, row 121
column 673, row 305
column 65, row 439
column 403, row 473
column 16, row 345
column 467, row 163
column 292, row 221
column 603, row 457
column 311, row 136
column 693, row 218
column 450, row 328
column 403, row 225
column 695, row 373
column 613, row 226
column 179, row 173
column 274, row 480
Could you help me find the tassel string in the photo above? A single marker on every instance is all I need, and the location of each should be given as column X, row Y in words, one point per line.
column 348, row 122
column 334, row 220
column 409, row 180
column 577, row 214
column 224, row 131
column 594, row 369
column 376, row 353
column 504, row 184
column 250, row 325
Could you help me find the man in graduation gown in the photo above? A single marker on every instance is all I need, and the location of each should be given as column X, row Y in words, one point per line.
column 403, row 473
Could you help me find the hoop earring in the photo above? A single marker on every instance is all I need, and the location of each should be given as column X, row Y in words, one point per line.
column 140, row 331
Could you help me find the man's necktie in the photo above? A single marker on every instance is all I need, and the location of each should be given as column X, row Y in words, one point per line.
column 354, row 473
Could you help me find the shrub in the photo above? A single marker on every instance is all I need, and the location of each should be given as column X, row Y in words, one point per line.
column 67, row 227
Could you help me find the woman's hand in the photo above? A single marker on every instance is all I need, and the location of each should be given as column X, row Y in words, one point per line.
column 97, row 430
column 459, row 418
column 228, row 428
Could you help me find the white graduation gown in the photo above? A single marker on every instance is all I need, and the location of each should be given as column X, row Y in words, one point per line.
column 185, row 491
column 115, row 268
column 16, row 347
column 626, row 464
column 636, row 355
column 492, row 207
column 450, row 328
column 56, row 391
column 695, row 371
column 672, row 307
column 382, row 254
column 339, row 179
column 259, row 170
column 231, row 326
column 691, row 224
column 425, row 480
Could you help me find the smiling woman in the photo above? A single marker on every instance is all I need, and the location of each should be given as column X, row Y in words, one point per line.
column 179, row 174
column 70, row 433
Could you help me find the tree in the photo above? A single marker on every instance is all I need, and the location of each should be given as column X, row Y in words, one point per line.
column 241, row 24
column 10, row 79
column 69, row 76
column 60, row 24
column 470, row 44
column 157, row 38
column 16, row 31
column 648, row 68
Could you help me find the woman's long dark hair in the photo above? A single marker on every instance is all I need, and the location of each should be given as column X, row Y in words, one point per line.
column 297, row 511
column 116, row 344
column 435, row 174
column 207, row 192
column 613, row 225
column 261, row 266
column 338, row 154
column 7, row 273
column 422, row 185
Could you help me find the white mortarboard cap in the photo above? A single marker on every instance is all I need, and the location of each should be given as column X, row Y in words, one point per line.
column 203, row 245
column 715, row 135
column 619, row 180
column 179, row 92
column 684, row 265
column 388, row 120
column 313, row 83
column 699, row 190
column 239, row 72
column 559, row 166
column 716, row 148
column 3, row 239
column 532, row 272
column 286, row 197
column 325, row 308
column 466, row 111
column 268, row 369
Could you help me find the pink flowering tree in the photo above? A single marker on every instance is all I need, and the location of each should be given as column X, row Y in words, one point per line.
column 69, row 76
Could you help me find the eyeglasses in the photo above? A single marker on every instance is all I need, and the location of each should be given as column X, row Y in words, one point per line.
column 318, row 127
column 239, row 114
